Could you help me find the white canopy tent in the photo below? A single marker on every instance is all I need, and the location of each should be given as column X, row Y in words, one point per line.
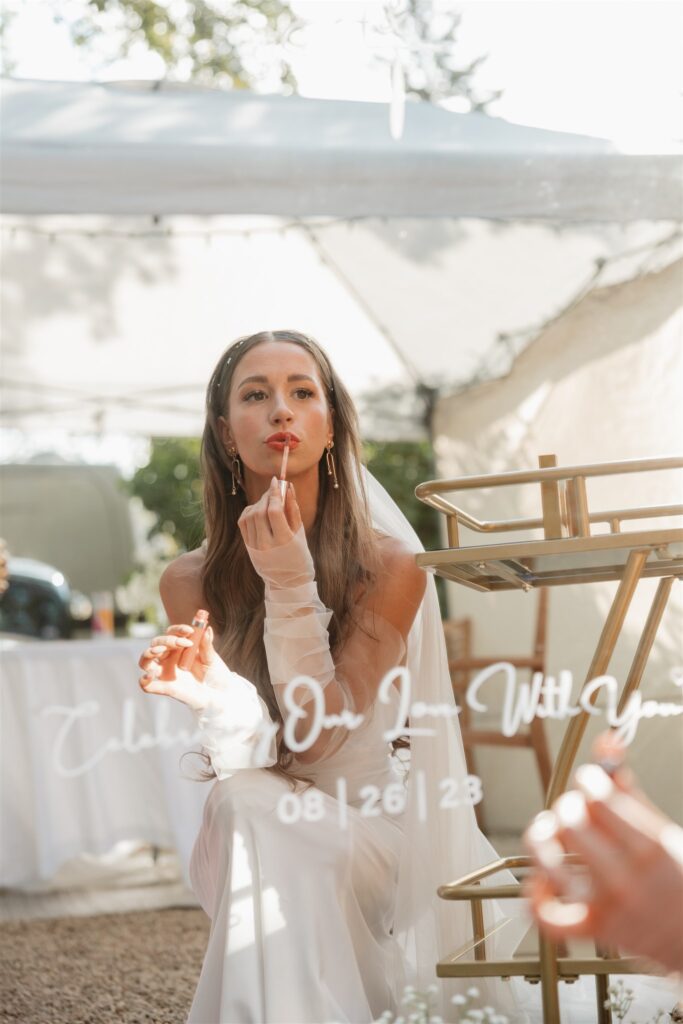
column 113, row 320
column 112, row 325
column 471, row 228
column 124, row 149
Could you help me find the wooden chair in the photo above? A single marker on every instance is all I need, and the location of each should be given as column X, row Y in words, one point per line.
column 462, row 663
column 568, row 554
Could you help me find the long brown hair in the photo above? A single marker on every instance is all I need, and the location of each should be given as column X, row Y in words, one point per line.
column 342, row 542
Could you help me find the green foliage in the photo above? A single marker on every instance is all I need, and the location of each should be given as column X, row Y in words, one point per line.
column 428, row 53
column 237, row 45
column 170, row 485
column 247, row 44
column 400, row 466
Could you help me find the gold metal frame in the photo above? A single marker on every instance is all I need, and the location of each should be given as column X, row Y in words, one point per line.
column 568, row 553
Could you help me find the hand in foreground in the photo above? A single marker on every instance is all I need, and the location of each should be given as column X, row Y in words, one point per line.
column 633, row 857
column 161, row 674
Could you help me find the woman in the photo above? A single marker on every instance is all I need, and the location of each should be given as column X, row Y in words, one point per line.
column 317, row 861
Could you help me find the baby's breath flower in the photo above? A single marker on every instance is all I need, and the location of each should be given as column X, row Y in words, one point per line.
column 473, row 992
column 459, row 1000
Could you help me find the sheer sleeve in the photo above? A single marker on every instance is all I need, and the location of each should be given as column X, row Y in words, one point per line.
column 298, row 648
column 234, row 724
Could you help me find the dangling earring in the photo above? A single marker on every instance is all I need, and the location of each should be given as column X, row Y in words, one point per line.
column 331, row 467
column 236, row 470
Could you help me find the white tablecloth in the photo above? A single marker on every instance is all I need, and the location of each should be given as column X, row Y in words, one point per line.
column 88, row 759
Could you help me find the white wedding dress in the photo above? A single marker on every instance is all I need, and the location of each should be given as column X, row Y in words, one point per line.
column 323, row 904
column 301, row 912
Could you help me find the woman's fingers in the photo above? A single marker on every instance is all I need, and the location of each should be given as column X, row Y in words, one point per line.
column 277, row 519
column 267, row 523
column 599, row 854
column 292, row 509
column 625, row 820
column 264, row 532
column 247, row 529
column 249, row 520
column 160, row 660
column 150, row 683
column 170, row 664
column 621, row 818
column 205, row 654
column 161, row 647
column 558, row 920
column 541, row 839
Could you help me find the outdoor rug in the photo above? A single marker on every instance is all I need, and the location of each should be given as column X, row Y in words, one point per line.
column 134, row 968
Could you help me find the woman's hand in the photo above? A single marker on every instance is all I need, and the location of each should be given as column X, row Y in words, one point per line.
column 161, row 674
column 270, row 522
column 633, row 856
column 276, row 540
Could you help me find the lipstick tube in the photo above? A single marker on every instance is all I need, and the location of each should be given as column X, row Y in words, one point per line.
column 199, row 624
column 283, row 469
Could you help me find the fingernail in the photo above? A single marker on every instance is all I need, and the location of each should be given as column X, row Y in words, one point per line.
column 570, row 809
column 562, row 915
column 209, row 633
column 273, row 482
column 184, row 642
column 593, row 781
column 157, row 650
column 550, row 854
column 543, row 827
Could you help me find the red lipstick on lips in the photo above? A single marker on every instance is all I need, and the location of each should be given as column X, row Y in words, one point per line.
column 283, row 437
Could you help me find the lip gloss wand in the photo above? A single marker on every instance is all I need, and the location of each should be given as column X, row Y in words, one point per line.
column 283, row 468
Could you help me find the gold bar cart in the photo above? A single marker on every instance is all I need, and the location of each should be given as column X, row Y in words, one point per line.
column 569, row 552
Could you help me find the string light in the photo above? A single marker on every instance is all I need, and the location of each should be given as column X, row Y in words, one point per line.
column 166, row 233
column 512, row 343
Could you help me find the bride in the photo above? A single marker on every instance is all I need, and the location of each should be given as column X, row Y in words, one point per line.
column 341, row 800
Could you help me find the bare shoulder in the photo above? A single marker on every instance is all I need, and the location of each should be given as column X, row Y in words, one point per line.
column 401, row 584
column 180, row 586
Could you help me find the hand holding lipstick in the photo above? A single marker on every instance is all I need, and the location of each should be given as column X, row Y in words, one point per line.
column 161, row 664
column 275, row 540
column 271, row 522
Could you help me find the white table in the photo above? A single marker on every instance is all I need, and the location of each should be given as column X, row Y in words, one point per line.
column 88, row 759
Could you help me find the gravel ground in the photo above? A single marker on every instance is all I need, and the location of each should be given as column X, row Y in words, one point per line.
column 137, row 968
